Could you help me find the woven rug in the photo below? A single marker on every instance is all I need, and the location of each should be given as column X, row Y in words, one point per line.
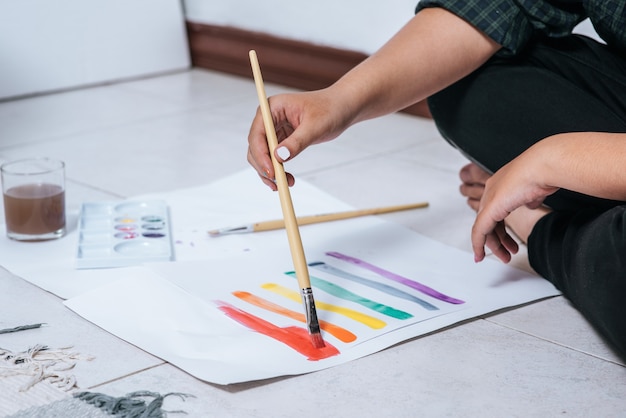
column 38, row 383
column 99, row 405
column 12, row 399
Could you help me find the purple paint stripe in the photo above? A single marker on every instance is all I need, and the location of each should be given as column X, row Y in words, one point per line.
column 396, row 278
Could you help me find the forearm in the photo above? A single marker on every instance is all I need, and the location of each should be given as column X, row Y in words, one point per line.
column 435, row 49
column 591, row 163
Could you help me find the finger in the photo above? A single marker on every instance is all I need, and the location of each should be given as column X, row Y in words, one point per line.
column 289, row 148
column 290, row 179
column 505, row 239
column 267, row 178
column 474, row 204
column 258, row 151
column 483, row 235
column 497, row 247
column 271, row 184
column 282, row 153
column 478, row 245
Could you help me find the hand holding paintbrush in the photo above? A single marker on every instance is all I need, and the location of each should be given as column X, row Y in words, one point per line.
column 291, row 225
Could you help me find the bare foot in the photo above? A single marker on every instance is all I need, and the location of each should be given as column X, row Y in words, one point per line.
column 474, row 179
column 521, row 221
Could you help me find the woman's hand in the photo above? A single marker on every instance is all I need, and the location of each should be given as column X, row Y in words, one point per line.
column 591, row 163
column 300, row 120
column 513, row 188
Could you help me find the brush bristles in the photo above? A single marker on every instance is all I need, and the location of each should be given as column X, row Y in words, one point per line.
column 311, row 318
column 314, row 329
column 317, row 340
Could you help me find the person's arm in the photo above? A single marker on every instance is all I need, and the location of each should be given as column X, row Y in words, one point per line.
column 433, row 50
column 591, row 163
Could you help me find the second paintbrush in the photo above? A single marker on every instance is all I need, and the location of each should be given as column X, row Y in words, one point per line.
column 306, row 220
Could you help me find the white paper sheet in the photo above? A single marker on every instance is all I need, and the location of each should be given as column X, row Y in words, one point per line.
column 177, row 314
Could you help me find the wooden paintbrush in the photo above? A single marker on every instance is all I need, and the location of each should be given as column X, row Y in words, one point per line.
column 307, row 220
column 291, row 225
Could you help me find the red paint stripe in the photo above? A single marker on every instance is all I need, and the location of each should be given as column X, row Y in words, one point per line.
column 295, row 337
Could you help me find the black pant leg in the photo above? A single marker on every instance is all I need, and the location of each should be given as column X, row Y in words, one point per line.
column 584, row 254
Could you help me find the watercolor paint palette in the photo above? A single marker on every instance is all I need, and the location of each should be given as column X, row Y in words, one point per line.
column 123, row 233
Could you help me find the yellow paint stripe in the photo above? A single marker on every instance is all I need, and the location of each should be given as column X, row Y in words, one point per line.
column 368, row 320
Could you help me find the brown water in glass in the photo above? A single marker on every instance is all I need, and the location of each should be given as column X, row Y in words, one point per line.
column 34, row 209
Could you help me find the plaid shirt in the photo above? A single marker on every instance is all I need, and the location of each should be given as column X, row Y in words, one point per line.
column 511, row 23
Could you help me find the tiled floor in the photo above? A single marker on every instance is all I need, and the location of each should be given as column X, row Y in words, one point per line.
column 190, row 128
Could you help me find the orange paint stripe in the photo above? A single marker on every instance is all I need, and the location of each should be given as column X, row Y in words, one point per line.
column 338, row 332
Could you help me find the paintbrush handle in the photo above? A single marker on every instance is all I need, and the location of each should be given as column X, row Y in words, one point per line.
column 291, row 224
column 328, row 217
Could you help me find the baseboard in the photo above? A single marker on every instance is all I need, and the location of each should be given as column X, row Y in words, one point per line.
column 284, row 61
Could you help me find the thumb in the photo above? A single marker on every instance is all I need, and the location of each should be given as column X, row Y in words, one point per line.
column 292, row 145
column 282, row 152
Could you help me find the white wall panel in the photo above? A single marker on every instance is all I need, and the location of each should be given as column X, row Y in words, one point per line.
column 48, row 45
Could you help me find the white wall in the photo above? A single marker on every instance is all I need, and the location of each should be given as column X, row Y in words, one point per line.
column 48, row 45
column 355, row 25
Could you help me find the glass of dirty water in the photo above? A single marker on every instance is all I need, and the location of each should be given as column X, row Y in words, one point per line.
column 34, row 198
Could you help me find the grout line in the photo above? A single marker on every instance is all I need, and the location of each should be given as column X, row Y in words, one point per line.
column 554, row 342
column 98, row 189
column 96, row 85
column 117, row 379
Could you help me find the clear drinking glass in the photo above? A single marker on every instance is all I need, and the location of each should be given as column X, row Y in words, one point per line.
column 34, row 198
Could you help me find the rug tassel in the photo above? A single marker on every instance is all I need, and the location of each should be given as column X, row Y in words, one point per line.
column 41, row 363
column 131, row 405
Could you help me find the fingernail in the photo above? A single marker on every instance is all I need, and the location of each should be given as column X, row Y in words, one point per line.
column 283, row 153
column 266, row 174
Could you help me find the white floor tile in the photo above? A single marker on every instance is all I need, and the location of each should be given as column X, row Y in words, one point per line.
column 545, row 320
column 111, row 357
column 50, row 117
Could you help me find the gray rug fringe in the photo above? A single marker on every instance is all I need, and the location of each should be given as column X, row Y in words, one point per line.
column 131, row 405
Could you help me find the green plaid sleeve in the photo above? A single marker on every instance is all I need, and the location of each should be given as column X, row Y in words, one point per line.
column 511, row 23
column 609, row 20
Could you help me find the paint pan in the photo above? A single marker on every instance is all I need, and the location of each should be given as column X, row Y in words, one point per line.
column 118, row 234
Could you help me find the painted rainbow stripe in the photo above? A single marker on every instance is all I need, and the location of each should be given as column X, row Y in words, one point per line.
column 367, row 320
column 345, row 294
column 338, row 332
column 396, row 278
column 295, row 337
column 390, row 290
